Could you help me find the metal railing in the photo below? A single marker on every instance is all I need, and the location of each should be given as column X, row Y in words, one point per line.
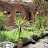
column 6, row 45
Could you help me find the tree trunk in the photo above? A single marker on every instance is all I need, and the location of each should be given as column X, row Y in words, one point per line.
column 19, row 32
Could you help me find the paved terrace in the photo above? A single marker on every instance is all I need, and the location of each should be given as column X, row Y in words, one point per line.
column 39, row 44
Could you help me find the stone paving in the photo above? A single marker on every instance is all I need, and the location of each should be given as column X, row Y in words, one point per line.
column 39, row 44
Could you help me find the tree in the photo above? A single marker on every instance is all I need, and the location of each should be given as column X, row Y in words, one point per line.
column 20, row 23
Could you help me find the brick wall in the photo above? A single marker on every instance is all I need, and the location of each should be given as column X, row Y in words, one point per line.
column 15, row 8
column 24, row 11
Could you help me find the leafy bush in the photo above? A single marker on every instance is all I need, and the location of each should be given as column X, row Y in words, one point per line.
column 45, row 22
column 39, row 22
column 3, row 18
column 46, row 29
column 2, row 28
column 3, row 36
column 31, row 28
column 13, row 35
column 3, row 21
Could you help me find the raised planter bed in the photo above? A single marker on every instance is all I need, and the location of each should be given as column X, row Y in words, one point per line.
column 46, row 33
column 27, row 41
column 35, row 37
column 32, row 41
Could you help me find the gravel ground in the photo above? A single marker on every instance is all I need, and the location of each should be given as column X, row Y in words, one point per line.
column 39, row 44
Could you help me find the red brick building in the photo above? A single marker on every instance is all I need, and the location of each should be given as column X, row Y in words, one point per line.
column 28, row 10
column 12, row 9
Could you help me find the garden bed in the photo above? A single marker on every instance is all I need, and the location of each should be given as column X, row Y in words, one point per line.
column 27, row 37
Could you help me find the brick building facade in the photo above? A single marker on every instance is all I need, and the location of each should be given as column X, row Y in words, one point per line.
column 28, row 10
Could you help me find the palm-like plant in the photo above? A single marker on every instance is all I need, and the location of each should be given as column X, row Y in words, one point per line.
column 20, row 23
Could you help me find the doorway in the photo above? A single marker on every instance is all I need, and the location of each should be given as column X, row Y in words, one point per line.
column 29, row 16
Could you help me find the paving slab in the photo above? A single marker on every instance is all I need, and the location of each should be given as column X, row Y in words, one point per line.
column 39, row 44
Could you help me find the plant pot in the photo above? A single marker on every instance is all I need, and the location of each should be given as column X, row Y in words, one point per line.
column 20, row 44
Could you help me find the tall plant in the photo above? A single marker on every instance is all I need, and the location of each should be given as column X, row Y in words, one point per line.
column 20, row 23
column 45, row 21
column 39, row 22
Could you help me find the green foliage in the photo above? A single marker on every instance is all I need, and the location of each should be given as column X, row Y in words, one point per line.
column 2, row 28
column 3, row 37
column 3, row 21
column 39, row 22
column 20, row 23
column 46, row 29
column 13, row 35
column 3, row 18
column 45, row 21
column 7, row 36
column 31, row 28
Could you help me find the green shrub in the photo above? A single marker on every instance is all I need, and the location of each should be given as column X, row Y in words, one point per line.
column 3, row 17
column 31, row 29
column 39, row 22
column 13, row 35
column 2, row 28
column 46, row 29
column 3, row 36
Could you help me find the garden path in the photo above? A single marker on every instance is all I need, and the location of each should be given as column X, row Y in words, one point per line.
column 39, row 44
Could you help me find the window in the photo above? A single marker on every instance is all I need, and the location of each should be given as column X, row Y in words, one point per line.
column 8, row 13
column 29, row 16
column 18, row 14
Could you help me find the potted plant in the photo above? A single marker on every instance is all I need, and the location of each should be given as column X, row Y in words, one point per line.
column 20, row 23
